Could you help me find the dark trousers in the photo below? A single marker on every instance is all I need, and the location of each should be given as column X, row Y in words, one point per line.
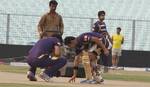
column 51, row 66
column 104, row 60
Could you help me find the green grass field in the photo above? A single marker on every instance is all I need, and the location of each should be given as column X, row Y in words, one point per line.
column 112, row 75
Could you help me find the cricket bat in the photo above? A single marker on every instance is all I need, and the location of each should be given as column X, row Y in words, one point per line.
column 86, row 65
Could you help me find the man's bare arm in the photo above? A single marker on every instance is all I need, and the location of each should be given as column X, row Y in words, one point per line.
column 122, row 40
column 41, row 25
column 110, row 39
column 75, row 69
column 99, row 43
column 61, row 26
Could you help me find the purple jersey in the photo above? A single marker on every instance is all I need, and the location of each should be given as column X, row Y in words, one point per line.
column 43, row 46
column 85, row 39
column 99, row 27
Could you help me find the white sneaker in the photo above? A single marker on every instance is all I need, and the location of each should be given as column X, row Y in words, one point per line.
column 86, row 81
column 93, row 82
column 44, row 76
column 120, row 68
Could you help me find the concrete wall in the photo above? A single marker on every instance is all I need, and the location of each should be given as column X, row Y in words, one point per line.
column 128, row 58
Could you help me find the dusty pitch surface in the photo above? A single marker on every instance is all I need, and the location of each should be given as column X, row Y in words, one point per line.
column 6, row 77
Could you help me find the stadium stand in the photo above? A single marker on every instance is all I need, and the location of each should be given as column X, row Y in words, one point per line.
column 19, row 18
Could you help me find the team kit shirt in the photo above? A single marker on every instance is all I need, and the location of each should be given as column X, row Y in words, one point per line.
column 43, row 46
column 85, row 39
column 101, row 28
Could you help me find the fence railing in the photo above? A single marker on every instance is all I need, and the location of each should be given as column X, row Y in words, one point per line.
column 22, row 29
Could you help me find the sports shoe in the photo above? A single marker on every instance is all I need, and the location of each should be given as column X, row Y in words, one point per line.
column 31, row 76
column 87, row 81
column 93, row 81
column 102, row 80
column 98, row 77
column 120, row 68
column 44, row 76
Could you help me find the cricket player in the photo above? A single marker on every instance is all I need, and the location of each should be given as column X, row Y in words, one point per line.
column 82, row 44
column 100, row 27
column 45, row 54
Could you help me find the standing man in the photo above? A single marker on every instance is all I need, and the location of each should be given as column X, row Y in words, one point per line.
column 51, row 22
column 45, row 54
column 100, row 27
column 118, row 40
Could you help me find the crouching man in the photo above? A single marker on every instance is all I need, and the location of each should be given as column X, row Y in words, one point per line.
column 45, row 54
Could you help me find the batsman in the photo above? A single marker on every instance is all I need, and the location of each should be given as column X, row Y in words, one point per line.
column 83, row 44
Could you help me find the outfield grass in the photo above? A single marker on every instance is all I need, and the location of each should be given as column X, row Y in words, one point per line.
column 112, row 75
column 141, row 78
column 24, row 85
